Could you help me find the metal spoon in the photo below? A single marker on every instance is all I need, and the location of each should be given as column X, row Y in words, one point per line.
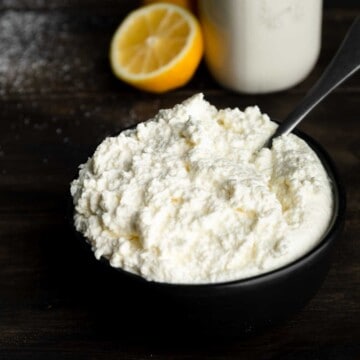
column 344, row 64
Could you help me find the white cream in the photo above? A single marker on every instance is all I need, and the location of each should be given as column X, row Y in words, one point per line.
column 187, row 198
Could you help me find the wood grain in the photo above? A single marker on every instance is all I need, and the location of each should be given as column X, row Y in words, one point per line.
column 58, row 100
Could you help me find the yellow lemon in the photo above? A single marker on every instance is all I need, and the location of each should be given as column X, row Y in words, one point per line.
column 157, row 47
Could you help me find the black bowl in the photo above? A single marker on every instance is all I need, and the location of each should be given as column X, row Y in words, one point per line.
column 242, row 307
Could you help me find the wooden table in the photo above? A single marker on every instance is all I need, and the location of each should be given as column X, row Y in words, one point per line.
column 58, row 99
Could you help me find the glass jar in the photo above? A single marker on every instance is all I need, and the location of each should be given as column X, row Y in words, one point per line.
column 261, row 46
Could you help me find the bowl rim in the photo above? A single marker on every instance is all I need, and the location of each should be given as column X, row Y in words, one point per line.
column 329, row 236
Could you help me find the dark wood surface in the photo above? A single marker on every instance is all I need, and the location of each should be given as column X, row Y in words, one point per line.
column 58, row 99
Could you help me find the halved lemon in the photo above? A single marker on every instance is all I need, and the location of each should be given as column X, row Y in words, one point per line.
column 157, row 47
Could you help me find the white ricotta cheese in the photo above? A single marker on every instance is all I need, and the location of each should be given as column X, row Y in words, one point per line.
column 186, row 197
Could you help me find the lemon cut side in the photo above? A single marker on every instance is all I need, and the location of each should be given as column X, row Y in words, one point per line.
column 157, row 47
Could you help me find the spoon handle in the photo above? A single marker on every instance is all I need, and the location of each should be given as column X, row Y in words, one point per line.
column 344, row 64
